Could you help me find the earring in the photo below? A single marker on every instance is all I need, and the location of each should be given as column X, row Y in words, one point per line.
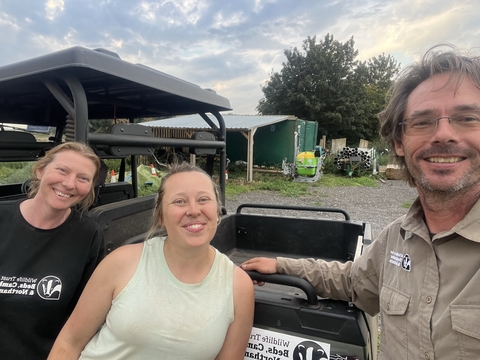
column 218, row 221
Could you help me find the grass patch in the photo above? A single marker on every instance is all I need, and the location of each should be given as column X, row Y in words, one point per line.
column 235, row 188
column 330, row 180
column 288, row 188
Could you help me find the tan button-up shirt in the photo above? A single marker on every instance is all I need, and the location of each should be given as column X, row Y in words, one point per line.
column 426, row 290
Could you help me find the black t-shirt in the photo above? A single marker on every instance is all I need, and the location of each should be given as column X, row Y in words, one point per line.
column 42, row 274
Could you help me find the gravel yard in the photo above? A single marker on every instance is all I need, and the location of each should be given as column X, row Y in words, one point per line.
column 378, row 205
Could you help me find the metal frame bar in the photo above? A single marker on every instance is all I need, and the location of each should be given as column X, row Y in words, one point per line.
column 78, row 110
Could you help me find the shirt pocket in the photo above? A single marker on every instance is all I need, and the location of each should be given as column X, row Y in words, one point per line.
column 393, row 301
column 466, row 323
column 394, row 304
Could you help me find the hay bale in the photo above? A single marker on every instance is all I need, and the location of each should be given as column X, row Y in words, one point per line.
column 393, row 172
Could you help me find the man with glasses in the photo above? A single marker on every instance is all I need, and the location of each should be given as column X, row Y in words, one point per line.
column 422, row 273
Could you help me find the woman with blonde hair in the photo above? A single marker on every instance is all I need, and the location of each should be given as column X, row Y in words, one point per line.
column 48, row 251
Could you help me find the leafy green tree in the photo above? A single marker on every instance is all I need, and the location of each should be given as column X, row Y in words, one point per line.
column 325, row 83
column 381, row 71
column 100, row 126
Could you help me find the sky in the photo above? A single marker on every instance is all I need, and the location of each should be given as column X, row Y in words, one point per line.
column 232, row 46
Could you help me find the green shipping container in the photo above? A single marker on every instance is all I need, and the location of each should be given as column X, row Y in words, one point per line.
column 273, row 143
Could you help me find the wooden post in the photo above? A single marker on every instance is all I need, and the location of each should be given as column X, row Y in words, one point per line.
column 323, row 142
column 338, row 144
column 363, row 144
column 251, row 133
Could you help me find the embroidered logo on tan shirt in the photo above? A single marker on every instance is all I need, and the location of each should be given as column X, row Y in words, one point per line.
column 399, row 259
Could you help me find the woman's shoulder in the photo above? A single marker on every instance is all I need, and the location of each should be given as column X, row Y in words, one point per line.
column 126, row 253
column 10, row 207
column 223, row 262
column 81, row 219
column 243, row 291
column 125, row 256
column 241, row 278
column 120, row 265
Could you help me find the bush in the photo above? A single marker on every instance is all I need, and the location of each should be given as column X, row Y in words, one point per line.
column 329, row 166
column 114, row 164
column 15, row 172
column 383, row 158
column 382, row 152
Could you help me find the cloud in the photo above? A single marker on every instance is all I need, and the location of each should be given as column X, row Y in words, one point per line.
column 407, row 28
column 231, row 47
column 53, row 8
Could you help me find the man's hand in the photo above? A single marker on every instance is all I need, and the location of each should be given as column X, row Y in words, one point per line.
column 261, row 264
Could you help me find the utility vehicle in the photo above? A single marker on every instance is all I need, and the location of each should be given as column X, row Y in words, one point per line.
column 53, row 98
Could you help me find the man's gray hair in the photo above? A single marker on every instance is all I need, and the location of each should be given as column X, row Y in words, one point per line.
column 435, row 61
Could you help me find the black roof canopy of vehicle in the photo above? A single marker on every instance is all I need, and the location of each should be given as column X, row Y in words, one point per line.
column 114, row 88
column 67, row 88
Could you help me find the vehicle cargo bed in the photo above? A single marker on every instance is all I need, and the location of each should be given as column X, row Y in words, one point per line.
column 288, row 304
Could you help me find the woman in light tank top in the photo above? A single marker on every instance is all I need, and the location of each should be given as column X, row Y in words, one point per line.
column 172, row 297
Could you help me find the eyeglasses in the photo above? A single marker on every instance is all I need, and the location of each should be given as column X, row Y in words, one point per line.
column 425, row 125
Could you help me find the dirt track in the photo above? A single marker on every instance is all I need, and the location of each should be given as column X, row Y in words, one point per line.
column 377, row 205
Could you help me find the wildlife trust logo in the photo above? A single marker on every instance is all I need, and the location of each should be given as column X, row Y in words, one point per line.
column 49, row 288
column 309, row 350
column 401, row 260
column 270, row 345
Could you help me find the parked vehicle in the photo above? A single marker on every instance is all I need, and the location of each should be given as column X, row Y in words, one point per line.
column 56, row 95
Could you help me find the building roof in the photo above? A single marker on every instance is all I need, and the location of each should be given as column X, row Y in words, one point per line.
column 232, row 122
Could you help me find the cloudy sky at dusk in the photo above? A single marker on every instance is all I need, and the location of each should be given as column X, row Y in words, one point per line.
column 231, row 46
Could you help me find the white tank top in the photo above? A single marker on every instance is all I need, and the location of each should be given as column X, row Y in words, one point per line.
column 158, row 317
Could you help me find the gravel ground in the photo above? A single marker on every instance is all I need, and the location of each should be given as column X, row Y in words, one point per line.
column 378, row 205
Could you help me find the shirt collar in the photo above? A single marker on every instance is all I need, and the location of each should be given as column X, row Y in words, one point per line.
column 413, row 223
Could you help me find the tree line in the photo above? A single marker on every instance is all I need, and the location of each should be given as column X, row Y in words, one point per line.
column 326, row 83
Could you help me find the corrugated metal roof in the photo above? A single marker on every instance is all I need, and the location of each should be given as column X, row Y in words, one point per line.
column 232, row 122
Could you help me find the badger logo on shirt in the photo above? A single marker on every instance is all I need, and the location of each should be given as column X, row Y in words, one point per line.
column 406, row 263
column 309, row 350
column 49, row 288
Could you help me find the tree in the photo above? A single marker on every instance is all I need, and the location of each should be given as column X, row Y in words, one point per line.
column 100, row 125
column 381, row 71
column 325, row 83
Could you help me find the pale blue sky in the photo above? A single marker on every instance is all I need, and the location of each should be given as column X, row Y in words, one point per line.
column 231, row 46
